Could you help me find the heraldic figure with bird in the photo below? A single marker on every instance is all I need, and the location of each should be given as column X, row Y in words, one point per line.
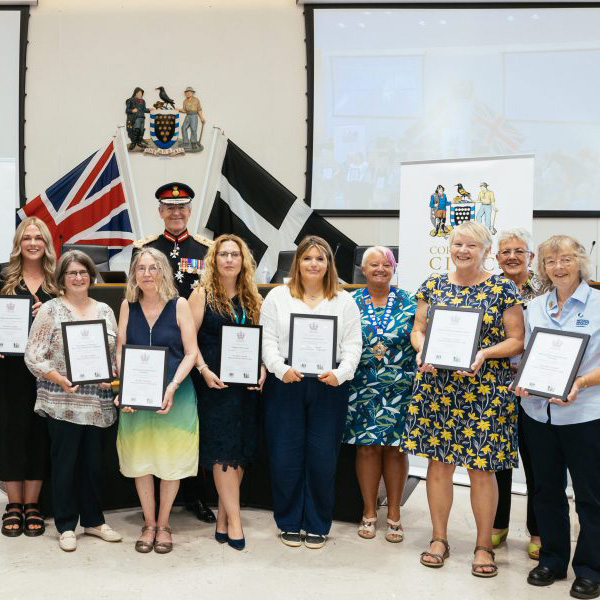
column 167, row 135
column 461, row 209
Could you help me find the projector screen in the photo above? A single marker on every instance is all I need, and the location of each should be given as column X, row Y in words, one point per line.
column 11, row 72
column 392, row 85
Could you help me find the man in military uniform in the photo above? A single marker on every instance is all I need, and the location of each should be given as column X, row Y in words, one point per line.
column 185, row 252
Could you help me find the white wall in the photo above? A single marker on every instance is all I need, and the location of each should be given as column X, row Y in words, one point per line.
column 246, row 60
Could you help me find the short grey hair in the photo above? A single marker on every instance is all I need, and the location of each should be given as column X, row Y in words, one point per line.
column 66, row 260
column 558, row 243
column 516, row 233
column 385, row 252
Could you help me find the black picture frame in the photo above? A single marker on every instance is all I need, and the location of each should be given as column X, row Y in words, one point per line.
column 430, row 321
column 253, row 383
column 19, row 298
column 584, row 337
column 73, row 324
column 123, row 372
column 293, row 317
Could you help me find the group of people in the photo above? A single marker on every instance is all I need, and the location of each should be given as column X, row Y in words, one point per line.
column 380, row 396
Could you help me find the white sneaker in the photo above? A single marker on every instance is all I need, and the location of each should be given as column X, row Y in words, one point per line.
column 105, row 532
column 67, row 541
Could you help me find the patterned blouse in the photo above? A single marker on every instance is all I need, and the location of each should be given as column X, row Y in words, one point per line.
column 89, row 405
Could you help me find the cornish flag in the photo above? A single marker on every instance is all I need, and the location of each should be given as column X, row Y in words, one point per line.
column 251, row 203
column 88, row 205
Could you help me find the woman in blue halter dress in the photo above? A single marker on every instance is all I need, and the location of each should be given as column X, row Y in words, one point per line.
column 162, row 444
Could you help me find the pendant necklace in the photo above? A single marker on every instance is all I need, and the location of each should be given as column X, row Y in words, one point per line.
column 379, row 349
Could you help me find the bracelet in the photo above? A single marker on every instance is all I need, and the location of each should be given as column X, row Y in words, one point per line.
column 175, row 381
column 204, row 366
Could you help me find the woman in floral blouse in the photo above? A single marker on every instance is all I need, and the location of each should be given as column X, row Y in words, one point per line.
column 467, row 418
column 75, row 413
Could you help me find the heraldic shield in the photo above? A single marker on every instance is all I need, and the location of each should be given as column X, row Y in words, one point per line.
column 462, row 213
column 164, row 128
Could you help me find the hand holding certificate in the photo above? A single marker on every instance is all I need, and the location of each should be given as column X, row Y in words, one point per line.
column 240, row 357
column 452, row 338
column 143, row 377
column 86, row 352
column 550, row 363
column 15, row 321
column 313, row 341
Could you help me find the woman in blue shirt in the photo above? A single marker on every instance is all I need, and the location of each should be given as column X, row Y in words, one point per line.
column 566, row 435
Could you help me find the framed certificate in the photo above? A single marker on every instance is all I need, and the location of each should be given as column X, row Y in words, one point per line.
column 143, row 376
column 15, row 321
column 452, row 337
column 313, row 341
column 241, row 351
column 551, row 361
column 86, row 351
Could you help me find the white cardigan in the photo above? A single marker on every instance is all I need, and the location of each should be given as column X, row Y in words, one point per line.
column 275, row 319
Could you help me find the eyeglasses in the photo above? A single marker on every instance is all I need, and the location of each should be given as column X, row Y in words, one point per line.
column 75, row 274
column 152, row 270
column 225, row 255
column 519, row 253
column 565, row 261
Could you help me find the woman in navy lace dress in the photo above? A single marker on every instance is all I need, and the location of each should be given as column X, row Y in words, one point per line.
column 228, row 414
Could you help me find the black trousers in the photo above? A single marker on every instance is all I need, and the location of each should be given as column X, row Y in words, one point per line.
column 553, row 449
column 304, row 424
column 504, row 479
column 75, row 451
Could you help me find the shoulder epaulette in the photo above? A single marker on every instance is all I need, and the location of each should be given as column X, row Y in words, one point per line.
column 203, row 240
column 141, row 243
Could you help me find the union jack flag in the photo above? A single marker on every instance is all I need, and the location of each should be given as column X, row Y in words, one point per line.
column 494, row 131
column 86, row 206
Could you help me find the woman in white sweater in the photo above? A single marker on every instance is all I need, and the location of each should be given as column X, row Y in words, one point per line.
column 305, row 416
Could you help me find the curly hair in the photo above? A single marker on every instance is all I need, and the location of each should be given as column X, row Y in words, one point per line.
column 561, row 243
column 13, row 272
column 247, row 292
column 164, row 277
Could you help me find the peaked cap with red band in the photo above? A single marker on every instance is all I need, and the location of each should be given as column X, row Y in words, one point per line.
column 174, row 193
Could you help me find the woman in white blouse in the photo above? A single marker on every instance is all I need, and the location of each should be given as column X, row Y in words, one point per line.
column 305, row 416
column 75, row 413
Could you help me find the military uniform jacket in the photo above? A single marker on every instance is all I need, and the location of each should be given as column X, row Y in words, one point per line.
column 185, row 253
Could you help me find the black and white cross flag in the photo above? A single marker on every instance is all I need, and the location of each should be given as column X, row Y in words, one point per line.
column 251, row 203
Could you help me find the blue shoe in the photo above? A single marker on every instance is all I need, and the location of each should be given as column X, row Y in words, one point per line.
column 237, row 544
column 222, row 538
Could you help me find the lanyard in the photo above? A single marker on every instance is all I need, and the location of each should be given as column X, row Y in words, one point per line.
column 237, row 318
column 379, row 326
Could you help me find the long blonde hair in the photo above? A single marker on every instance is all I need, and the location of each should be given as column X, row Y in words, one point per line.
column 13, row 272
column 247, row 292
column 164, row 277
column 331, row 285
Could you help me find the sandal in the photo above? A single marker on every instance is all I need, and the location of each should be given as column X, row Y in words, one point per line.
column 33, row 517
column 476, row 567
column 439, row 558
column 144, row 546
column 395, row 533
column 366, row 529
column 533, row 551
column 13, row 516
column 163, row 547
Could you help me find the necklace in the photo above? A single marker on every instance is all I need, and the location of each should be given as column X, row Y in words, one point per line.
column 379, row 326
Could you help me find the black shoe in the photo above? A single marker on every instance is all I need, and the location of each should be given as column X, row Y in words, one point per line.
column 291, row 538
column 131, row 146
column 585, row 588
column 314, row 541
column 202, row 512
column 542, row 576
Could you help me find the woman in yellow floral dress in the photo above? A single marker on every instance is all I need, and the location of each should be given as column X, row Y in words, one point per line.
column 467, row 418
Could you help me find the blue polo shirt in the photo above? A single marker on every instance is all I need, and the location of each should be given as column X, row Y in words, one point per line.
column 580, row 313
